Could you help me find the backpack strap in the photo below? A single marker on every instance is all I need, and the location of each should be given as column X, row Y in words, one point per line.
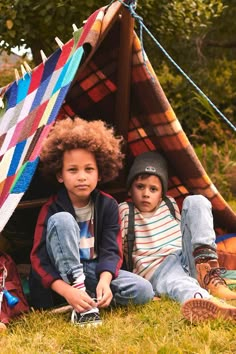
column 170, row 206
column 130, row 236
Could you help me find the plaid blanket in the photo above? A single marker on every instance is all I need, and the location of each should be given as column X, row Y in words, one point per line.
column 65, row 85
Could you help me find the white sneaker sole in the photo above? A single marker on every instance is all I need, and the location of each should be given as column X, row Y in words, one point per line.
column 89, row 324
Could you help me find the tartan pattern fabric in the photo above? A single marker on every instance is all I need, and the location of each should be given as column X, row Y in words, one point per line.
column 153, row 125
column 37, row 101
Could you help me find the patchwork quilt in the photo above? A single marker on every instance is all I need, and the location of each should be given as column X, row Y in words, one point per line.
column 31, row 105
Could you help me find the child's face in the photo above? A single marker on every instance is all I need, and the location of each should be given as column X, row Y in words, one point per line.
column 146, row 193
column 79, row 175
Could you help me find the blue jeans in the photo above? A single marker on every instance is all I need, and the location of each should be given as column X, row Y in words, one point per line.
column 63, row 236
column 176, row 276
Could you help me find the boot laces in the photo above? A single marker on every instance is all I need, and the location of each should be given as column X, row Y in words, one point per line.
column 214, row 277
column 198, row 295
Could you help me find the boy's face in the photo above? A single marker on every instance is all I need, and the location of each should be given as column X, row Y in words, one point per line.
column 79, row 175
column 146, row 193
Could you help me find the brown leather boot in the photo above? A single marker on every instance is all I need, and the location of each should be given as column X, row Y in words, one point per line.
column 209, row 278
column 198, row 310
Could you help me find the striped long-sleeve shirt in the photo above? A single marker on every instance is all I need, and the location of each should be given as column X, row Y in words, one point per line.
column 156, row 236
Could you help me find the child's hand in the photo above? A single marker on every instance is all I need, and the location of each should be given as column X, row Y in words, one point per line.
column 79, row 299
column 104, row 293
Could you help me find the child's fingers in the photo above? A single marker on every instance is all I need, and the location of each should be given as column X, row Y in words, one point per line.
column 88, row 300
column 81, row 301
column 82, row 306
column 105, row 300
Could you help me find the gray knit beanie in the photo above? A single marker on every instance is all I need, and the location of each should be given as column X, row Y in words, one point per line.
column 152, row 163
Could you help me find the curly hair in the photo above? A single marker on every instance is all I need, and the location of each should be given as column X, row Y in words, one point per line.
column 94, row 136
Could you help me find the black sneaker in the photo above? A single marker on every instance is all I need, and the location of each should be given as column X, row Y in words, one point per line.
column 88, row 318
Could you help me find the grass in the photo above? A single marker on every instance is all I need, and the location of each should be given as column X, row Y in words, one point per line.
column 157, row 327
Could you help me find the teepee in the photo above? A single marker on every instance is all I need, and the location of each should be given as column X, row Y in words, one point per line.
column 100, row 73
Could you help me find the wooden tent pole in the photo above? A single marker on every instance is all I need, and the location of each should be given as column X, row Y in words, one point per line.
column 122, row 108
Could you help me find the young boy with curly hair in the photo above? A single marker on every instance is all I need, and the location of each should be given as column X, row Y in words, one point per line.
column 176, row 254
column 77, row 250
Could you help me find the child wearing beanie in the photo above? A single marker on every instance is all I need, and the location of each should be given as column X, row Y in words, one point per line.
column 176, row 253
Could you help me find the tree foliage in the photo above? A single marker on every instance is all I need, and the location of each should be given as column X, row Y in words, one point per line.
column 36, row 24
column 198, row 34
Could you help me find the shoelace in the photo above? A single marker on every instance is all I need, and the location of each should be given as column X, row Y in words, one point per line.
column 94, row 312
column 95, row 315
column 214, row 276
